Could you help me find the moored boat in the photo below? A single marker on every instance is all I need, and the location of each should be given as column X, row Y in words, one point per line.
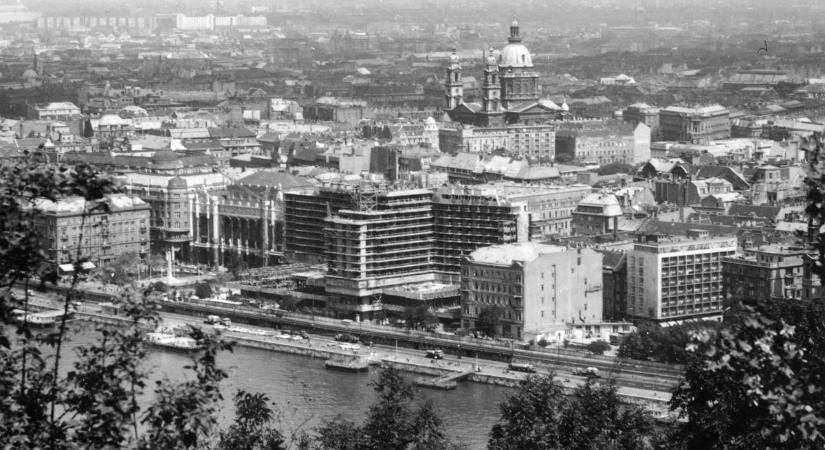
column 347, row 363
column 171, row 341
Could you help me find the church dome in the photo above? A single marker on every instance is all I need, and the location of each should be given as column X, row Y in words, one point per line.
column 515, row 55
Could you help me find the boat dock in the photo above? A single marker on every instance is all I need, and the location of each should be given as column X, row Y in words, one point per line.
column 444, row 382
column 45, row 318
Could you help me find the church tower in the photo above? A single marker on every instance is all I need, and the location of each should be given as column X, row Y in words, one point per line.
column 491, row 86
column 455, row 88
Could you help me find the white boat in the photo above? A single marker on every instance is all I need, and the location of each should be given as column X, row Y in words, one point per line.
column 171, row 341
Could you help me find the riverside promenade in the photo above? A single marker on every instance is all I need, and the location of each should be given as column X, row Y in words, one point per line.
column 403, row 358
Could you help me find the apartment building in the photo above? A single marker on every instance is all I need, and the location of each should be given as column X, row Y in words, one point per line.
column 698, row 125
column 671, row 279
column 541, row 289
column 767, row 272
column 615, row 143
column 537, row 142
column 103, row 235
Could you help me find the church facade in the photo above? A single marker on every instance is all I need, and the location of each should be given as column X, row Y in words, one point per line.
column 510, row 90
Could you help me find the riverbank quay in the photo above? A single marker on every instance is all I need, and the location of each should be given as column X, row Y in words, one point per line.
column 481, row 371
column 628, row 373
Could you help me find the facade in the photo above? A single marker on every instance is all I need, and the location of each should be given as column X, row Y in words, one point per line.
column 690, row 192
column 510, row 90
column 305, row 213
column 549, row 207
column 247, row 218
column 764, row 273
column 466, row 219
column 167, row 182
column 698, row 125
column 672, row 279
column 124, row 228
column 53, row 111
column 540, row 288
column 537, row 142
column 614, row 280
column 643, row 113
column 605, row 146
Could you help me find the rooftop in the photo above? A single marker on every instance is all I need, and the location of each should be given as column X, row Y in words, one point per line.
column 507, row 254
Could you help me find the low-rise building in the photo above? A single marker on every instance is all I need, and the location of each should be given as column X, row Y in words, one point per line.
column 597, row 214
column 540, row 289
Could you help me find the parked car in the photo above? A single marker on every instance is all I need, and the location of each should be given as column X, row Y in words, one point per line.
column 435, row 354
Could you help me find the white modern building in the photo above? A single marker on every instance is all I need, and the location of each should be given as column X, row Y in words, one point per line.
column 672, row 279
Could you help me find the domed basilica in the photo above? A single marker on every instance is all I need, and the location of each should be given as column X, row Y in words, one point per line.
column 510, row 90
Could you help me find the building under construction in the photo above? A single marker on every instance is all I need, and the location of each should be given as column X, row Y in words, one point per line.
column 385, row 241
column 375, row 239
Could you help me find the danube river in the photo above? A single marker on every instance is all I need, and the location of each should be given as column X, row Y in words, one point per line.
column 307, row 394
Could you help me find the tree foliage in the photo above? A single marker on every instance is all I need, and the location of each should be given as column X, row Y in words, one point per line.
column 420, row 317
column 598, row 347
column 93, row 404
column 123, row 269
column 759, row 382
column 253, row 429
column 489, row 320
column 203, row 290
column 664, row 344
column 538, row 415
column 614, row 168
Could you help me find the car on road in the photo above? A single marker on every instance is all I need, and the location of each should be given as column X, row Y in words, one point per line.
column 344, row 337
column 212, row 319
column 435, row 354
column 296, row 334
column 522, row 367
column 586, row 372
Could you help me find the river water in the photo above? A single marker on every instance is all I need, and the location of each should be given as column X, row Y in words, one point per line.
column 307, row 394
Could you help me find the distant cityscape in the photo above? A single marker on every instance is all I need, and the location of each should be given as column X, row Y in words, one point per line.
column 578, row 180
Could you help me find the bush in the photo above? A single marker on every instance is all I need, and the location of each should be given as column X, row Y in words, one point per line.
column 598, row 347
column 203, row 290
column 543, row 342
